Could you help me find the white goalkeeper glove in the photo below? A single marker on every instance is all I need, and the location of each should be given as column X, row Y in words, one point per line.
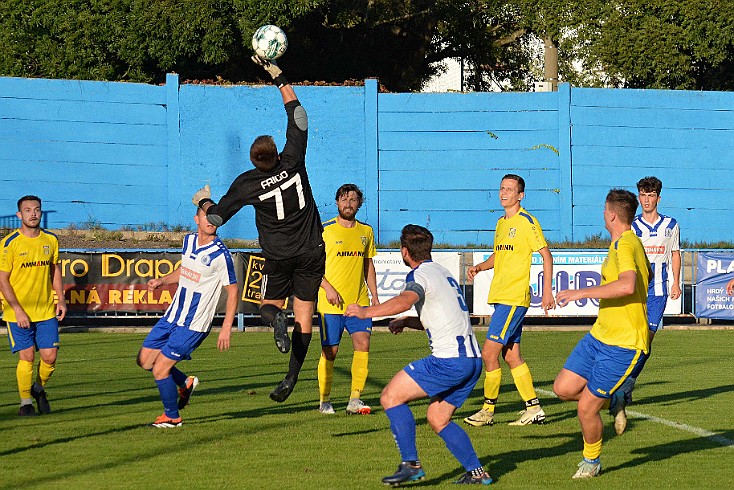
column 203, row 193
column 269, row 66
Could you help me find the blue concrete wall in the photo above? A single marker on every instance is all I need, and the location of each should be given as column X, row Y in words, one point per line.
column 131, row 155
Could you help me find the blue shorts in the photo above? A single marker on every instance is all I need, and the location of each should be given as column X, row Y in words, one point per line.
column 655, row 309
column 331, row 332
column 505, row 327
column 604, row 367
column 40, row 335
column 175, row 342
column 451, row 380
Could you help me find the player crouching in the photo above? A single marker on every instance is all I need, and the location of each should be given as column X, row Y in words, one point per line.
column 206, row 267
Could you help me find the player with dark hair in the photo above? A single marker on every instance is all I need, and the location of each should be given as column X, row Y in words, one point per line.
column 350, row 273
column 517, row 236
column 289, row 228
column 660, row 235
column 606, row 356
column 29, row 276
column 206, row 268
column 447, row 376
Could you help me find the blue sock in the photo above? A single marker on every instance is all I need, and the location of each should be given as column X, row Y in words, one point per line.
column 458, row 442
column 178, row 377
column 169, row 396
column 402, row 425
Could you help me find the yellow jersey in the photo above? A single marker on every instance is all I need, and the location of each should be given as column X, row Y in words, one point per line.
column 515, row 240
column 29, row 262
column 346, row 251
column 623, row 321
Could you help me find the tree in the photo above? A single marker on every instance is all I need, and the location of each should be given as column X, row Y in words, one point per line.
column 665, row 44
column 336, row 40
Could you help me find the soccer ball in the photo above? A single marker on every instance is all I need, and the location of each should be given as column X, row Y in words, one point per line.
column 269, row 42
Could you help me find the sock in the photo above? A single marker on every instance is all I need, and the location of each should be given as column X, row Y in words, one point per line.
column 267, row 314
column 592, row 451
column 458, row 442
column 24, row 374
column 359, row 373
column 44, row 372
column 325, row 374
column 492, row 381
column 178, row 377
column 299, row 349
column 169, row 396
column 524, row 384
column 402, row 425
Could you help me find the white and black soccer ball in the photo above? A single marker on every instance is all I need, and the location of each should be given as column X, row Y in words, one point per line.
column 269, row 42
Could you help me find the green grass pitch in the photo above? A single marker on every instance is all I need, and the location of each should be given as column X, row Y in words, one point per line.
column 234, row 436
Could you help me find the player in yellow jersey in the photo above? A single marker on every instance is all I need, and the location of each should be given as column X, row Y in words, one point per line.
column 29, row 275
column 517, row 236
column 350, row 273
column 608, row 354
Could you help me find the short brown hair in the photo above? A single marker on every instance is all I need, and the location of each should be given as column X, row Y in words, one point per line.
column 418, row 241
column 650, row 184
column 346, row 189
column 29, row 198
column 264, row 153
column 520, row 181
column 624, row 204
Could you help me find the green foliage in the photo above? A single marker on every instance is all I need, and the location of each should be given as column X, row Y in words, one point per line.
column 234, row 436
column 661, row 44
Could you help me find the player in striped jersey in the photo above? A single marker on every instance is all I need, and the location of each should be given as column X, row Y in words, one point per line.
column 447, row 376
column 660, row 236
column 29, row 275
column 206, row 268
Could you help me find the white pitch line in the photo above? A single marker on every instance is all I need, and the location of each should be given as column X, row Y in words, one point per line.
column 684, row 427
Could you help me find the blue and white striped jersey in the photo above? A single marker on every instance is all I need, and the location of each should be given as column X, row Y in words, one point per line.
column 660, row 239
column 204, row 271
column 442, row 311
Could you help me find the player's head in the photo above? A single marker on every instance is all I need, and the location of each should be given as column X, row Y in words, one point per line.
column 620, row 204
column 202, row 224
column 264, row 153
column 512, row 190
column 349, row 199
column 648, row 191
column 29, row 211
column 650, row 184
column 417, row 241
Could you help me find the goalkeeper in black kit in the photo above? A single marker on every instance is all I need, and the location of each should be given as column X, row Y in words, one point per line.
column 289, row 228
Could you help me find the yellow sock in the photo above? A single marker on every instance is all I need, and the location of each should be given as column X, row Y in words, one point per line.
column 492, row 381
column 593, row 450
column 359, row 373
column 524, row 383
column 45, row 371
column 24, row 373
column 326, row 375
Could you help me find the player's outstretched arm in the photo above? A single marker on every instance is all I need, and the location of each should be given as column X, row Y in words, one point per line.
column 397, row 325
column 171, row 278
column 548, row 303
column 624, row 286
column 229, row 313
column 393, row 306
column 729, row 288
column 482, row 266
column 286, row 90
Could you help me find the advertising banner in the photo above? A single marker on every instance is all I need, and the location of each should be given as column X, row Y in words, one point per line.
column 391, row 272
column 117, row 282
column 571, row 270
column 714, row 271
